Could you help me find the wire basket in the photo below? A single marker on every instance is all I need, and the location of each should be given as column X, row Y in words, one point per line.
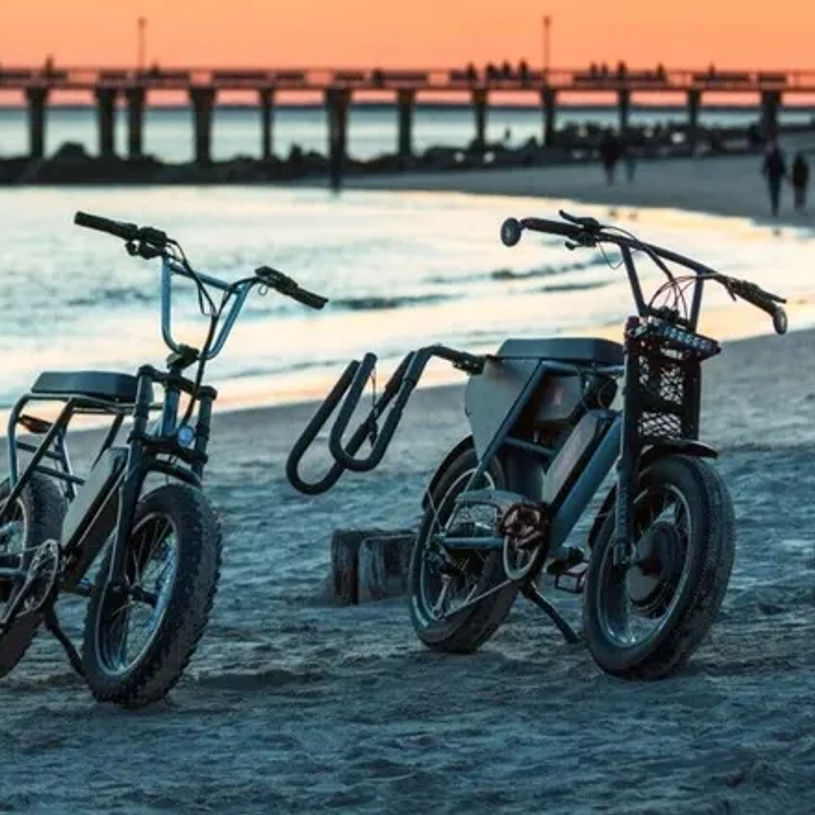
column 667, row 394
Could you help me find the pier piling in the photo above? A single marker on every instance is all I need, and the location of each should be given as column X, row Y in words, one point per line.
column 135, row 97
column 266, row 97
column 549, row 101
column 203, row 100
column 37, row 98
column 106, row 120
column 694, row 103
column 337, row 101
column 624, row 107
column 405, row 99
column 770, row 103
column 480, row 108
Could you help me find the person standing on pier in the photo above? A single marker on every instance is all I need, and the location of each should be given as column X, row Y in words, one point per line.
column 800, row 181
column 774, row 169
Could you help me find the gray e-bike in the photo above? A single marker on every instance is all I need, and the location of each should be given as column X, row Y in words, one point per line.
column 548, row 426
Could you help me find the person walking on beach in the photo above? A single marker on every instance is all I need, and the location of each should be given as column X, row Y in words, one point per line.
column 775, row 168
column 800, row 181
column 611, row 149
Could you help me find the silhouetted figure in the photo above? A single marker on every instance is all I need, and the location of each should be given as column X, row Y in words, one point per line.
column 604, row 70
column 378, row 76
column 661, row 72
column 472, row 73
column 593, row 70
column 506, row 70
column 622, row 70
column 490, row 71
column 711, row 70
column 523, row 70
column 754, row 136
column 611, row 149
column 49, row 65
column 800, row 181
column 774, row 169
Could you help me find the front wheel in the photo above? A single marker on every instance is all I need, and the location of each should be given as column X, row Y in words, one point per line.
column 139, row 640
column 644, row 619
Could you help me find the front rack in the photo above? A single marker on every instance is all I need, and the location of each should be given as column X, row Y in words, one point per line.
column 349, row 389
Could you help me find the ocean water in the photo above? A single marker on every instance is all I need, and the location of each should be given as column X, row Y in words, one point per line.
column 372, row 130
column 401, row 270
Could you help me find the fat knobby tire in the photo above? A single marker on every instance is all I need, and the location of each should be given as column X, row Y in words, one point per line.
column 44, row 508
column 177, row 636
column 710, row 550
column 466, row 631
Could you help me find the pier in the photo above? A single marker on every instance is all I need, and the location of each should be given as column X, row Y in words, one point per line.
column 110, row 87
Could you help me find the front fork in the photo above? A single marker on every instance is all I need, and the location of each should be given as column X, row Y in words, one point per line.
column 628, row 462
column 131, row 484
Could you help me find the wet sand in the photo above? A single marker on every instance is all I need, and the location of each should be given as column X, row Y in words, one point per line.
column 724, row 185
column 292, row 705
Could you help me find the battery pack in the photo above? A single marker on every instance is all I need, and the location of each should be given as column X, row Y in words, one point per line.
column 93, row 511
column 574, row 454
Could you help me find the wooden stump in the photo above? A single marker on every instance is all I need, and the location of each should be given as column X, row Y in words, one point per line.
column 368, row 564
column 382, row 565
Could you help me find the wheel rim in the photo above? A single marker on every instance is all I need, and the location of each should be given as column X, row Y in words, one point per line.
column 635, row 602
column 442, row 594
column 128, row 621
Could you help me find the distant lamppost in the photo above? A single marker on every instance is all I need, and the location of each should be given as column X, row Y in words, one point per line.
column 141, row 28
column 547, row 24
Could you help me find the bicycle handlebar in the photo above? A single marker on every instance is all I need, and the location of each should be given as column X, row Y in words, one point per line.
column 286, row 285
column 121, row 229
column 587, row 231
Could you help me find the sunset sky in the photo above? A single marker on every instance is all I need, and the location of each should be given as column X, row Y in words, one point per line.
column 422, row 33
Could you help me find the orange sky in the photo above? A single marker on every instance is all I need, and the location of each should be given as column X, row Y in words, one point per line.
column 439, row 33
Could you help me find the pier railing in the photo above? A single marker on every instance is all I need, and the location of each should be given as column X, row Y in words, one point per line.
column 202, row 86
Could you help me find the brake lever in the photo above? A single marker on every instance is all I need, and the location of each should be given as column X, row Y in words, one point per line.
column 587, row 222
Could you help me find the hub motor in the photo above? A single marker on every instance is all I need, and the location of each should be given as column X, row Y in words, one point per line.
column 657, row 566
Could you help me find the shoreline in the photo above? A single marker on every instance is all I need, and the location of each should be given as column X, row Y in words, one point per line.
column 469, row 167
column 729, row 185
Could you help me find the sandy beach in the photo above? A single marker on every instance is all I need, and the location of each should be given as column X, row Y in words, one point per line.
column 292, row 705
column 725, row 185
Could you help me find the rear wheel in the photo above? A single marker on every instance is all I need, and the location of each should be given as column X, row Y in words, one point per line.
column 439, row 583
column 139, row 640
column 35, row 518
column 644, row 619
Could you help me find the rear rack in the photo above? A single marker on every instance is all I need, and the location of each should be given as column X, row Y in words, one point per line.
column 349, row 388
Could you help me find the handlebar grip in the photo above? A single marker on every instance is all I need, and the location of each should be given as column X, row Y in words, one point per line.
column 118, row 229
column 512, row 228
column 766, row 302
column 309, row 298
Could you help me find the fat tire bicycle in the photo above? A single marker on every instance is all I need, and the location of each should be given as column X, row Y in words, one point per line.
column 160, row 548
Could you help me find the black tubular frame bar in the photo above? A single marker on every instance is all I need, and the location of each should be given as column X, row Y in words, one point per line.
column 73, row 404
column 348, row 389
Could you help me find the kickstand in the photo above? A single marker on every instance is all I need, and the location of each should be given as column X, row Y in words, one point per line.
column 532, row 592
column 52, row 624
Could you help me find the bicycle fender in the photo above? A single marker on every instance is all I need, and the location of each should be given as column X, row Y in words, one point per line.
column 668, row 447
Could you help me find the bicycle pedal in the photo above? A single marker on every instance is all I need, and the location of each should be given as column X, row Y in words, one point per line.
column 571, row 557
column 572, row 580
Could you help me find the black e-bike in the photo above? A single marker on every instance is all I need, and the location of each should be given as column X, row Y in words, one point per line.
column 160, row 546
column 547, row 428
